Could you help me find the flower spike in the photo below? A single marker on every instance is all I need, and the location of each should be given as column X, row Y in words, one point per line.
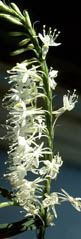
column 29, row 124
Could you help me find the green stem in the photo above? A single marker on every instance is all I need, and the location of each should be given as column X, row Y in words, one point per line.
column 48, row 116
column 48, row 105
column 41, row 233
column 50, row 134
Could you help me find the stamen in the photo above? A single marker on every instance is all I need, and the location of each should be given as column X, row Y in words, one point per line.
column 50, row 31
column 44, row 30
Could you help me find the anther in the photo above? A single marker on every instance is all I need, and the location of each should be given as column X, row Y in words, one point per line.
column 50, row 30
column 55, row 29
column 44, row 26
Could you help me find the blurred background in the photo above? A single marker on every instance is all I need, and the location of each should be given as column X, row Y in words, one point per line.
column 67, row 60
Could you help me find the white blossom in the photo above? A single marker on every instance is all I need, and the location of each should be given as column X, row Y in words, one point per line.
column 52, row 74
column 50, row 201
column 48, row 40
column 69, row 102
column 76, row 202
column 24, row 73
column 51, row 168
column 28, row 194
column 17, row 175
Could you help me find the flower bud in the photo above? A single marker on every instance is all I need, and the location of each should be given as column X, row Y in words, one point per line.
column 15, row 7
column 27, row 19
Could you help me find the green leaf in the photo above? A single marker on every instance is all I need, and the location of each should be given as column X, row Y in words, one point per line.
column 12, row 229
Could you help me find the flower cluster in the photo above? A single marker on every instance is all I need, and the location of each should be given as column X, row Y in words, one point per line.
column 25, row 128
column 29, row 127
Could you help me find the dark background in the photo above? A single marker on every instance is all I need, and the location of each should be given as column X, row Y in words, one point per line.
column 66, row 17
column 63, row 16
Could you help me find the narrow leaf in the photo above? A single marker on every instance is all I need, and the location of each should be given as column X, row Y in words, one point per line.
column 12, row 229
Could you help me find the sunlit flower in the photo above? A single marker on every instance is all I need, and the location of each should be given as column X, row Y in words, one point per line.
column 25, row 127
column 50, row 201
column 21, row 112
column 69, row 102
column 25, row 74
column 17, row 174
column 52, row 75
column 40, row 126
column 51, row 169
column 48, row 40
column 76, row 202
column 28, row 194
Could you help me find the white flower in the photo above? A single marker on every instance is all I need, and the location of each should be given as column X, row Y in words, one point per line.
column 16, row 175
column 21, row 141
column 50, row 201
column 18, row 172
column 69, row 102
column 76, row 202
column 48, row 40
column 20, row 113
column 24, row 73
column 52, row 74
column 29, row 188
column 51, row 169
column 28, row 194
column 40, row 126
